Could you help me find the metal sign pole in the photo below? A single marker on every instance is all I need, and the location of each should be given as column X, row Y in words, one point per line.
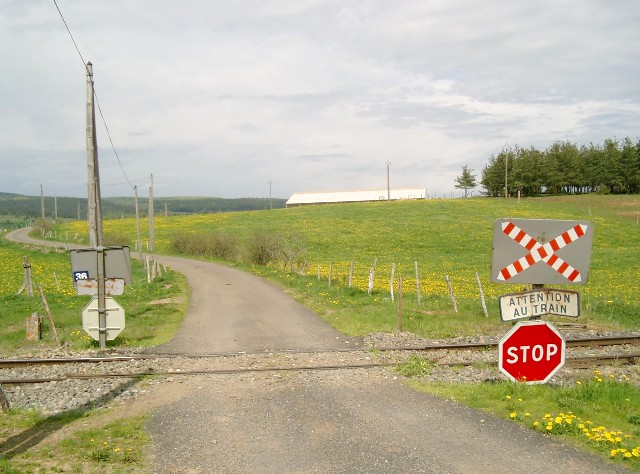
column 102, row 300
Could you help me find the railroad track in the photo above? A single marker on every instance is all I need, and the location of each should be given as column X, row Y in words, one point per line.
column 588, row 361
column 571, row 342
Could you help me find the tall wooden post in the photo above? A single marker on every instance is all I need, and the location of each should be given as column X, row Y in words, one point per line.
column 388, row 183
column 42, row 204
column 135, row 189
column 102, row 301
column 506, row 167
column 94, row 207
column 151, row 231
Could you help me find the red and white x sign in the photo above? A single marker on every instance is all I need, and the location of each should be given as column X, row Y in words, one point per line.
column 542, row 249
column 539, row 252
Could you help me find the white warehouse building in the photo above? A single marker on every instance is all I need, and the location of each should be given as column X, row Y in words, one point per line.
column 302, row 199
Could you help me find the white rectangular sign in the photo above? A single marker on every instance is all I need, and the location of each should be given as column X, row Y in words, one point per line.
column 112, row 287
column 531, row 304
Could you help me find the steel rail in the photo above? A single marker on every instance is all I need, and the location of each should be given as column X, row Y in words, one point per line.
column 575, row 362
column 571, row 342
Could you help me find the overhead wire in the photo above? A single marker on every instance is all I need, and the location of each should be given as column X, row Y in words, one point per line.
column 95, row 94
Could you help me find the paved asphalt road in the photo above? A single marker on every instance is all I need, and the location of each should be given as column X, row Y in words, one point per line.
column 348, row 421
column 233, row 311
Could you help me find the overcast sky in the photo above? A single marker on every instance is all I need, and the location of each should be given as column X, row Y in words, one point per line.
column 220, row 98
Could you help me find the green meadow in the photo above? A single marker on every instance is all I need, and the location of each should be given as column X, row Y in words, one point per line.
column 318, row 245
column 311, row 251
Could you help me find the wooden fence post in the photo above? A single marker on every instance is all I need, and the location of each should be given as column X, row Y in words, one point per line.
column 417, row 281
column 28, row 282
column 371, row 277
column 34, row 327
column 484, row 304
column 330, row 272
column 399, row 324
column 451, row 294
column 52, row 326
column 393, row 272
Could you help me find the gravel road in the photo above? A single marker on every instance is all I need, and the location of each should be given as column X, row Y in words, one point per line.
column 305, row 421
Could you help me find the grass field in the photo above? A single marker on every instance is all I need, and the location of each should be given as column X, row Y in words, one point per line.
column 443, row 237
column 154, row 310
column 446, row 238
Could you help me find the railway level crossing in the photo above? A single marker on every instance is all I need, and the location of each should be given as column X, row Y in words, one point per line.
column 538, row 252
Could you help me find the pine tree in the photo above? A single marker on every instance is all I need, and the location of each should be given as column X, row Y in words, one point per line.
column 466, row 181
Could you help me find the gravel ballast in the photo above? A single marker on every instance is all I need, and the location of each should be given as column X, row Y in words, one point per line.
column 453, row 365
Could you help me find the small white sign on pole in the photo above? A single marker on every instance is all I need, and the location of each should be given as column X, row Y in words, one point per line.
column 536, row 303
column 112, row 287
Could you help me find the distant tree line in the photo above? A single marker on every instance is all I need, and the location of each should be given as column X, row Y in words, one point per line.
column 565, row 168
column 30, row 207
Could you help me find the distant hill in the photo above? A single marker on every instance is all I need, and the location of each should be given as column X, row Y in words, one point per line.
column 29, row 207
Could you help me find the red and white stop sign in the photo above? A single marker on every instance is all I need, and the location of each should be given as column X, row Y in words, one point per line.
column 531, row 352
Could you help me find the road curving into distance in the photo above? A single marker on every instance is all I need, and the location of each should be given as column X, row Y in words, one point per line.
column 342, row 421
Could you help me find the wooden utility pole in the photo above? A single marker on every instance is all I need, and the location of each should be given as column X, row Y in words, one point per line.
column 28, row 281
column 388, row 183
column 41, row 204
column 135, row 189
column 151, row 232
column 55, row 209
column 506, row 166
column 94, row 208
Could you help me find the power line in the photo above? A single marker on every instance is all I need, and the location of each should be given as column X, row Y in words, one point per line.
column 69, row 31
column 103, row 185
column 95, row 94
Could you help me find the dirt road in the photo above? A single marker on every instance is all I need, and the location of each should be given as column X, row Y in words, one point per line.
column 343, row 421
column 233, row 311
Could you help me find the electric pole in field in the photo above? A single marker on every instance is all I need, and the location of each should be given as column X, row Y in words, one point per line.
column 388, row 183
column 94, row 207
column 151, row 232
column 506, row 167
column 42, row 204
column 139, row 241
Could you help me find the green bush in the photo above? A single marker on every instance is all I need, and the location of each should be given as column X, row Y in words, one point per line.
column 263, row 248
column 113, row 239
column 222, row 245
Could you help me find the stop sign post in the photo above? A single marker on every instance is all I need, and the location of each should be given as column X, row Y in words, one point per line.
column 532, row 352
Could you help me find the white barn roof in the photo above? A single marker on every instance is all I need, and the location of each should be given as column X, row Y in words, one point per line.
column 299, row 199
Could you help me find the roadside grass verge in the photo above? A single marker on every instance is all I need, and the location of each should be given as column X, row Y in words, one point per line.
column 356, row 313
column 601, row 414
column 95, row 445
column 154, row 310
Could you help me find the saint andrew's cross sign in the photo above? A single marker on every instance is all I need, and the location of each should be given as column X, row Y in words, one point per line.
column 541, row 251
